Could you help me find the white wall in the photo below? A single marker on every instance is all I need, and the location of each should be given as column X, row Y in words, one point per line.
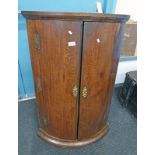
column 123, row 68
column 127, row 7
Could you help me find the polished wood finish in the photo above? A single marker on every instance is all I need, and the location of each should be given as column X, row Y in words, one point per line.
column 73, row 143
column 74, row 60
column 59, row 67
column 76, row 16
column 98, row 48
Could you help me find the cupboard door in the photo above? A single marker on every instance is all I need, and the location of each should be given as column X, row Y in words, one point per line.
column 98, row 75
column 58, row 54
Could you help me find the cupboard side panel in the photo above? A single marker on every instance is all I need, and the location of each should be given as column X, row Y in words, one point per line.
column 115, row 61
column 35, row 60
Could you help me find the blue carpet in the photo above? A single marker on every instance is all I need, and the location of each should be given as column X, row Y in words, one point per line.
column 120, row 140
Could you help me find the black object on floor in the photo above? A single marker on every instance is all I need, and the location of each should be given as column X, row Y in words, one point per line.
column 128, row 92
column 120, row 140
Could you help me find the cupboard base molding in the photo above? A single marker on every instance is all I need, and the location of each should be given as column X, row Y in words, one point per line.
column 72, row 143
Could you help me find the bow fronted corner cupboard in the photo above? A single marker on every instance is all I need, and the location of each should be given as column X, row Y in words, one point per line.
column 74, row 60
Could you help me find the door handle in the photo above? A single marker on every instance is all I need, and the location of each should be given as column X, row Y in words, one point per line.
column 84, row 92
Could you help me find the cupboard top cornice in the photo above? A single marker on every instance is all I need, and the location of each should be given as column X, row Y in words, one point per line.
column 76, row 16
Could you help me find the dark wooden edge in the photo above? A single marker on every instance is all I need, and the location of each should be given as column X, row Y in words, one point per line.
column 75, row 16
column 72, row 143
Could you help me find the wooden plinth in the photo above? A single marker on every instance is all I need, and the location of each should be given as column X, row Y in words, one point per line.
column 72, row 143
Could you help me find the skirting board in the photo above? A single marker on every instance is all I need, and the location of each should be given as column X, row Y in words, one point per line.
column 26, row 98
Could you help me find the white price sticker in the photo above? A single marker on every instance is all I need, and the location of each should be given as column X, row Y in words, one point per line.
column 73, row 43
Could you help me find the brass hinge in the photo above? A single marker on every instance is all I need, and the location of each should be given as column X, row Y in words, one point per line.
column 45, row 121
column 36, row 40
column 39, row 86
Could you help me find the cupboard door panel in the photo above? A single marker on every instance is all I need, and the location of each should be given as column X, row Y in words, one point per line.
column 59, row 60
column 97, row 75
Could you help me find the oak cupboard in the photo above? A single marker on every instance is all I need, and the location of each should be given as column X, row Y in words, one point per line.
column 74, row 60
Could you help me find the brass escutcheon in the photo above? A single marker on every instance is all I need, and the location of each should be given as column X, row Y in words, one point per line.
column 84, row 92
column 75, row 91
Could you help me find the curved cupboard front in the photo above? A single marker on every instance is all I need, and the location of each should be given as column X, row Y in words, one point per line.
column 74, row 60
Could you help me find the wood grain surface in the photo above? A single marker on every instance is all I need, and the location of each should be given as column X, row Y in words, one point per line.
column 80, row 52
column 58, row 67
column 98, row 48
column 76, row 16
